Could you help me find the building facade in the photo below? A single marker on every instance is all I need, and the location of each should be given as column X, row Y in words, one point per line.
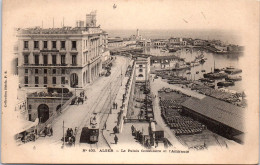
column 142, row 69
column 55, row 57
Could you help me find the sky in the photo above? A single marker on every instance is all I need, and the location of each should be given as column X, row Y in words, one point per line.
column 142, row 14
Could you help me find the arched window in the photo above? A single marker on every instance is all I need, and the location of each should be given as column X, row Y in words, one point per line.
column 140, row 75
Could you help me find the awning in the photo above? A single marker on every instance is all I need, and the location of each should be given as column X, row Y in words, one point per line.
column 24, row 125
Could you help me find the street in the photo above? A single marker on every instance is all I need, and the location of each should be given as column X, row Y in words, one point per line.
column 100, row 94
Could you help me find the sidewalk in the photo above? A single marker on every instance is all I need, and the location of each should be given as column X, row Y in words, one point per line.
column 113, row 117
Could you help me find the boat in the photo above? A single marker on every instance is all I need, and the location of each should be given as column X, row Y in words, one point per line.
column 231, row 70
column 203, row 70
column 215, row 75
column 226, row 83
column 234, row 78
column 188, row 73
column 210, row 85
column 206, row 80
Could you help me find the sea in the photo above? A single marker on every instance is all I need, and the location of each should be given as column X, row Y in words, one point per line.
column 226, row 36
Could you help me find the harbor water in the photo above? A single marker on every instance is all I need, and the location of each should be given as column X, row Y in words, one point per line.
column 213, row 60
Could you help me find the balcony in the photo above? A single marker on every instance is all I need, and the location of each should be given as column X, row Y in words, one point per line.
column 45, row 94
column 37, row 65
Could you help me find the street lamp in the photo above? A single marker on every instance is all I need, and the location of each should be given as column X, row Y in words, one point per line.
column 61, row 97
column 121, row 77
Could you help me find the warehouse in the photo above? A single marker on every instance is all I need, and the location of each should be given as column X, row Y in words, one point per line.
column 220, row 117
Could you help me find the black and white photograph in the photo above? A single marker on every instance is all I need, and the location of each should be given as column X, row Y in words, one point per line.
column 118, row 81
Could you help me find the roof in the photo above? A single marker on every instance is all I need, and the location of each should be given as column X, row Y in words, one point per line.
column 223, row 112
column 63, row 30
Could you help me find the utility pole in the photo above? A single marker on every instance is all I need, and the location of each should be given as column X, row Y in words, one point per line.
column 110, row 100
column 121, row 77
column 63, row 134
column 61, row 98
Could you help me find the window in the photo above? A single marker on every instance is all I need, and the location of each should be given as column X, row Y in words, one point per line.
column 25, row 79
column 26, row 71
column 54, row 45
column 36, row 71
column 140, row 66
column 26, row 44
column 45, row 71
column 53, row 71
column 30, row 106
column 36, row 59
column 45, row 44
column 62, row 80
column 62, row 44
column 62, row 59
column 30, row 117
column 62, row 71
column 74, row 60
column 45, row 80
column 26, row 59
column 36, row 44
column 140, row 70
column 36, row 80
column 45, row 59
column 74, row 45
column 53, row 80
column 54, row 62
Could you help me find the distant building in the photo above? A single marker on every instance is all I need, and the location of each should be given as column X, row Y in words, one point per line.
column 55, row 57
column 198, row 42
column 165, row 62
column 118, row 42
column 159, row 43
column 144, row 43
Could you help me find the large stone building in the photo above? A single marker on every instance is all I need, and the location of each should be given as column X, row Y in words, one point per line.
column 55, row 57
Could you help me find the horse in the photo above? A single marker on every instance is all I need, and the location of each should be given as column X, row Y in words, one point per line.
column 80, row 100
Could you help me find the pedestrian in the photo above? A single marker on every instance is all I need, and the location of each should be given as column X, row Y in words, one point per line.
column 68, row 132
column 85, row 98
column 156, row 142
column 133, row 128
column 51, row 131
column 116, row 105
column 71, row 131
column 115, row 130
column 116, row 139
column 45, row 131
column 105, row 125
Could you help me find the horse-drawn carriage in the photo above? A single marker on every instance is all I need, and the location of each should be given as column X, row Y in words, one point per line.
column 69, row 137
column 77, row 100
